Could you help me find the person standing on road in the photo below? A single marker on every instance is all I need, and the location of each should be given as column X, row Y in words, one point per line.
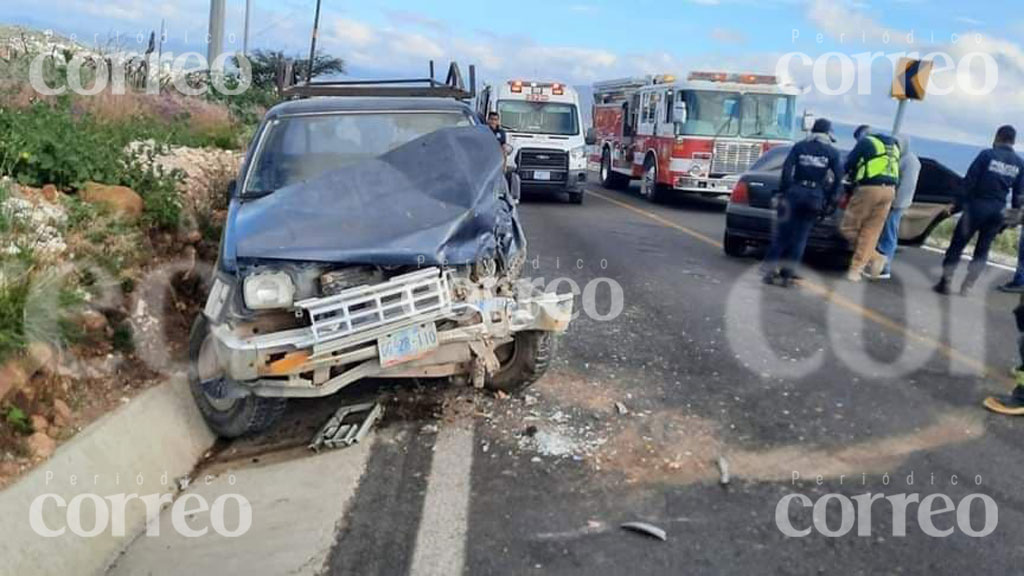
column 994, row 174
column 910, row 170
column 811, row 176
column 494, row 123
column 1012, row 404
column 874, row 169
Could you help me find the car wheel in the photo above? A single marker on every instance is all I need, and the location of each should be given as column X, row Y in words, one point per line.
column 226, row 417
column 735, row 247
column 649, row 181
column 522, row 361
column 576, row 197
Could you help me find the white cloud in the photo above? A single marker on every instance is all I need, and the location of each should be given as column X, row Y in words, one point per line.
column 416, row 45
column 960, row 114
column 352, row 33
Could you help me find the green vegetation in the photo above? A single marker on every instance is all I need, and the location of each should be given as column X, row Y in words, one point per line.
column 1005, row 245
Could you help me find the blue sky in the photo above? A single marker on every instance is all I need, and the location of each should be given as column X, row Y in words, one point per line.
column 579, row 41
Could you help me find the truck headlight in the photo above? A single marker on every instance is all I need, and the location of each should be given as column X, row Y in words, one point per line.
column 697, row 170
column 578, row 153
column 268, row 290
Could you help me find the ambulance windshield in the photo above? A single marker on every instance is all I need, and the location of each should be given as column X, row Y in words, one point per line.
column 539, row 117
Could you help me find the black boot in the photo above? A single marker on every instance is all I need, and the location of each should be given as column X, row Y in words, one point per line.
column 1011, row 404
column 943, row 286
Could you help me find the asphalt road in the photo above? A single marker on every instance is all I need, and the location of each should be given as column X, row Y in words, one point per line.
column 855, row 388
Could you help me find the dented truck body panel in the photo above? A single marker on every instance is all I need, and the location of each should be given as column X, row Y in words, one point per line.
column 401, row 265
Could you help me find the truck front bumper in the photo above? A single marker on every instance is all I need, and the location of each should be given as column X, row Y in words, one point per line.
column 305, row 362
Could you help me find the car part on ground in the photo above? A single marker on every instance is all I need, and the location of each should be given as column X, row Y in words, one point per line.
column 347, row 426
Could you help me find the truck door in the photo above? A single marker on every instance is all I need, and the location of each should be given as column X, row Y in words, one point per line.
column 648, row 114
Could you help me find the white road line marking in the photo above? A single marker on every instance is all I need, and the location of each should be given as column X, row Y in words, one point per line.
column 967, row 257
column 441, row 542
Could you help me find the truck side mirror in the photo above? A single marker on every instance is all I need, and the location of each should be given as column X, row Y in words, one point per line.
column 679, row 112
column 808, row 121
column 232, row 186
column 590, row 139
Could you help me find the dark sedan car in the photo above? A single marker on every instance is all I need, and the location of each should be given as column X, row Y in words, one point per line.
column 750, row 215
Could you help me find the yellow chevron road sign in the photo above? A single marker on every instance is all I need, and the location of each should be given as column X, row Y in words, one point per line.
column 911, row 81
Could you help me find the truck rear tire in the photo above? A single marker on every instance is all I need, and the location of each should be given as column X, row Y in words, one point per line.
column 523, row 361
column 226, row 417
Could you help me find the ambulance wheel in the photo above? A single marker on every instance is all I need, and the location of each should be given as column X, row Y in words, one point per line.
column 649, row 187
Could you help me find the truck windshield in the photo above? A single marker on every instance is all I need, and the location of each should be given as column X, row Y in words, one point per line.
column 711, row 113
column 300, row 148
column 767, row 116
column 539, row 117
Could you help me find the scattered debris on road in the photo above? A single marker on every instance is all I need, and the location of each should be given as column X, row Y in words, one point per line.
column 645, row 529
column 723, row 470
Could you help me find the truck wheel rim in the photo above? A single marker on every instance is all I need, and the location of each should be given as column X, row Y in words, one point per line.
column 206, row 369
column 605, row 171
column 649, row 179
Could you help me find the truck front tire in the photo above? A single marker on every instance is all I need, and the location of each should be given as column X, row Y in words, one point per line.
column 226, row 417
column 523, row 361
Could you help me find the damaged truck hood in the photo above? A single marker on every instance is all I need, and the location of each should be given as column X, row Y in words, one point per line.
column 440, row 199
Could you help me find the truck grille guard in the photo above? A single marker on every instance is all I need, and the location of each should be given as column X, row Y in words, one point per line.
column 364, row 308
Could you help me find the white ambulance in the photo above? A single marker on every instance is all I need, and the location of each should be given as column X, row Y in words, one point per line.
column 545, row 132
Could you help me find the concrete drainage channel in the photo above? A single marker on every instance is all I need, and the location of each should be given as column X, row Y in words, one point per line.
column 133, row 464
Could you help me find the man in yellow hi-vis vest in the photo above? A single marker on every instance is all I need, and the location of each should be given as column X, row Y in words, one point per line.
column 873, row 167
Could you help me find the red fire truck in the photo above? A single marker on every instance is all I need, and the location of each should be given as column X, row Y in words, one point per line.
column 695, row 136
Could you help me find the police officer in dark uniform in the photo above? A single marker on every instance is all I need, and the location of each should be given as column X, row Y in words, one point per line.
column 811, row 177
column 993, row 175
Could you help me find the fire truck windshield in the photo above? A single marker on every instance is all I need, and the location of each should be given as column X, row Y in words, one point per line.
column 723, row 114
column 539, row 117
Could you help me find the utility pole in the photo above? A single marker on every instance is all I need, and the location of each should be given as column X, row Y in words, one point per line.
column 312, row 43
column 160, row 41
column 216, row 33
column 245, row 34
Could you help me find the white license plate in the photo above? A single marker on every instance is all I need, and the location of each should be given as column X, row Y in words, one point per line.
column 407, row 344
column 542, row 175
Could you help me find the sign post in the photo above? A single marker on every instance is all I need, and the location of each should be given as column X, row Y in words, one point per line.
column 910, row 83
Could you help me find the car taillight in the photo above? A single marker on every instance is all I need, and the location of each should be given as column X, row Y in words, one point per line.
column 740, row 193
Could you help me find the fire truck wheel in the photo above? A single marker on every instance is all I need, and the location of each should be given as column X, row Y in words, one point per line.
column 609, row 178
column 649, row 187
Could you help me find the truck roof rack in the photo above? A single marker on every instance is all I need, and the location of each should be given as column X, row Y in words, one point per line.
column 452, row 87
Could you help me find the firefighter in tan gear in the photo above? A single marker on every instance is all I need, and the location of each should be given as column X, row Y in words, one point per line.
column 874, row 168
